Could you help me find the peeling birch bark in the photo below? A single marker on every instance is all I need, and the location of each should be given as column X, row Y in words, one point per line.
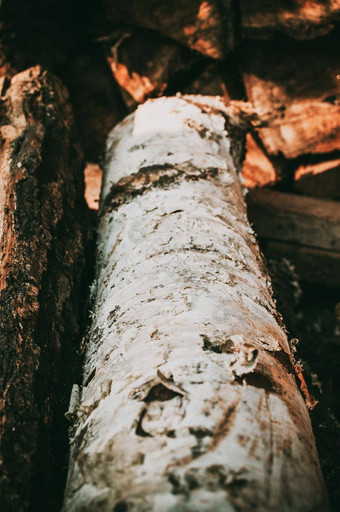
column 189, row 400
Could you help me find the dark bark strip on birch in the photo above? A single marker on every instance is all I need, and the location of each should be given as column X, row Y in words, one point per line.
column 189, row 400
column 42, row 238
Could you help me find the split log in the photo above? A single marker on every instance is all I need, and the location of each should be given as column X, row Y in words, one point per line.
column 146, row 65
column 189, row 399
column 303, row 229
column 257, row 169
column 42, row 237
column 206, row 26
column 301, row 19
column 300, row 95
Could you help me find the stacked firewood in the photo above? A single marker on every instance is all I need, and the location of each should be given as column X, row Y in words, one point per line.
column 274, row 62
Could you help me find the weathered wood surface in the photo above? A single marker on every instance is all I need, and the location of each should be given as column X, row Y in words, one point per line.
column 318, row 266
column 293, row 218
column 206, row 26
column 296, row 85
column 42, row 237
column 189, row 400
column 301, row 19
column 303, row 229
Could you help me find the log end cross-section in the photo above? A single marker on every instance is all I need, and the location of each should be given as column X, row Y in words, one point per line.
column 190, row 399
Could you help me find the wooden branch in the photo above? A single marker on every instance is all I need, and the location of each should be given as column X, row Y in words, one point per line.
column 42, row 237
column 313, row 265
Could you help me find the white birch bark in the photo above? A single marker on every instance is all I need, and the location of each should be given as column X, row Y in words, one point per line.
column 189, row 400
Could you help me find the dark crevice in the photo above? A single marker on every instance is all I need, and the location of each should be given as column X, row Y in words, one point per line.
column 284, row 359
column 226, row 347
column 160, row 393
column 139, row 429
column 180, row 81
column 258, row 380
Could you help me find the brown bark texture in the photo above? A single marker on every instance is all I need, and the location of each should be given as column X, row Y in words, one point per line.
column 206, row 26
column 42, row 238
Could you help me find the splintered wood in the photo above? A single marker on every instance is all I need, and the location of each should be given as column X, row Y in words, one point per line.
column 189, row 400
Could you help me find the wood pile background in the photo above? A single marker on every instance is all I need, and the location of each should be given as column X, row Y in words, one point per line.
column 70, row 71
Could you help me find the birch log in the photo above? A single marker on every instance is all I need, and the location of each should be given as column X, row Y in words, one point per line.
column 42, row 236
column 189, row 400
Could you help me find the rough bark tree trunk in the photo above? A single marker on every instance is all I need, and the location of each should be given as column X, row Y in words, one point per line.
column 189, row 400
column 42, row 239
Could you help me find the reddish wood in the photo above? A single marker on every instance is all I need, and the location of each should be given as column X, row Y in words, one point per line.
column 257, row 169
column 298, row 95
column 146, row 65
